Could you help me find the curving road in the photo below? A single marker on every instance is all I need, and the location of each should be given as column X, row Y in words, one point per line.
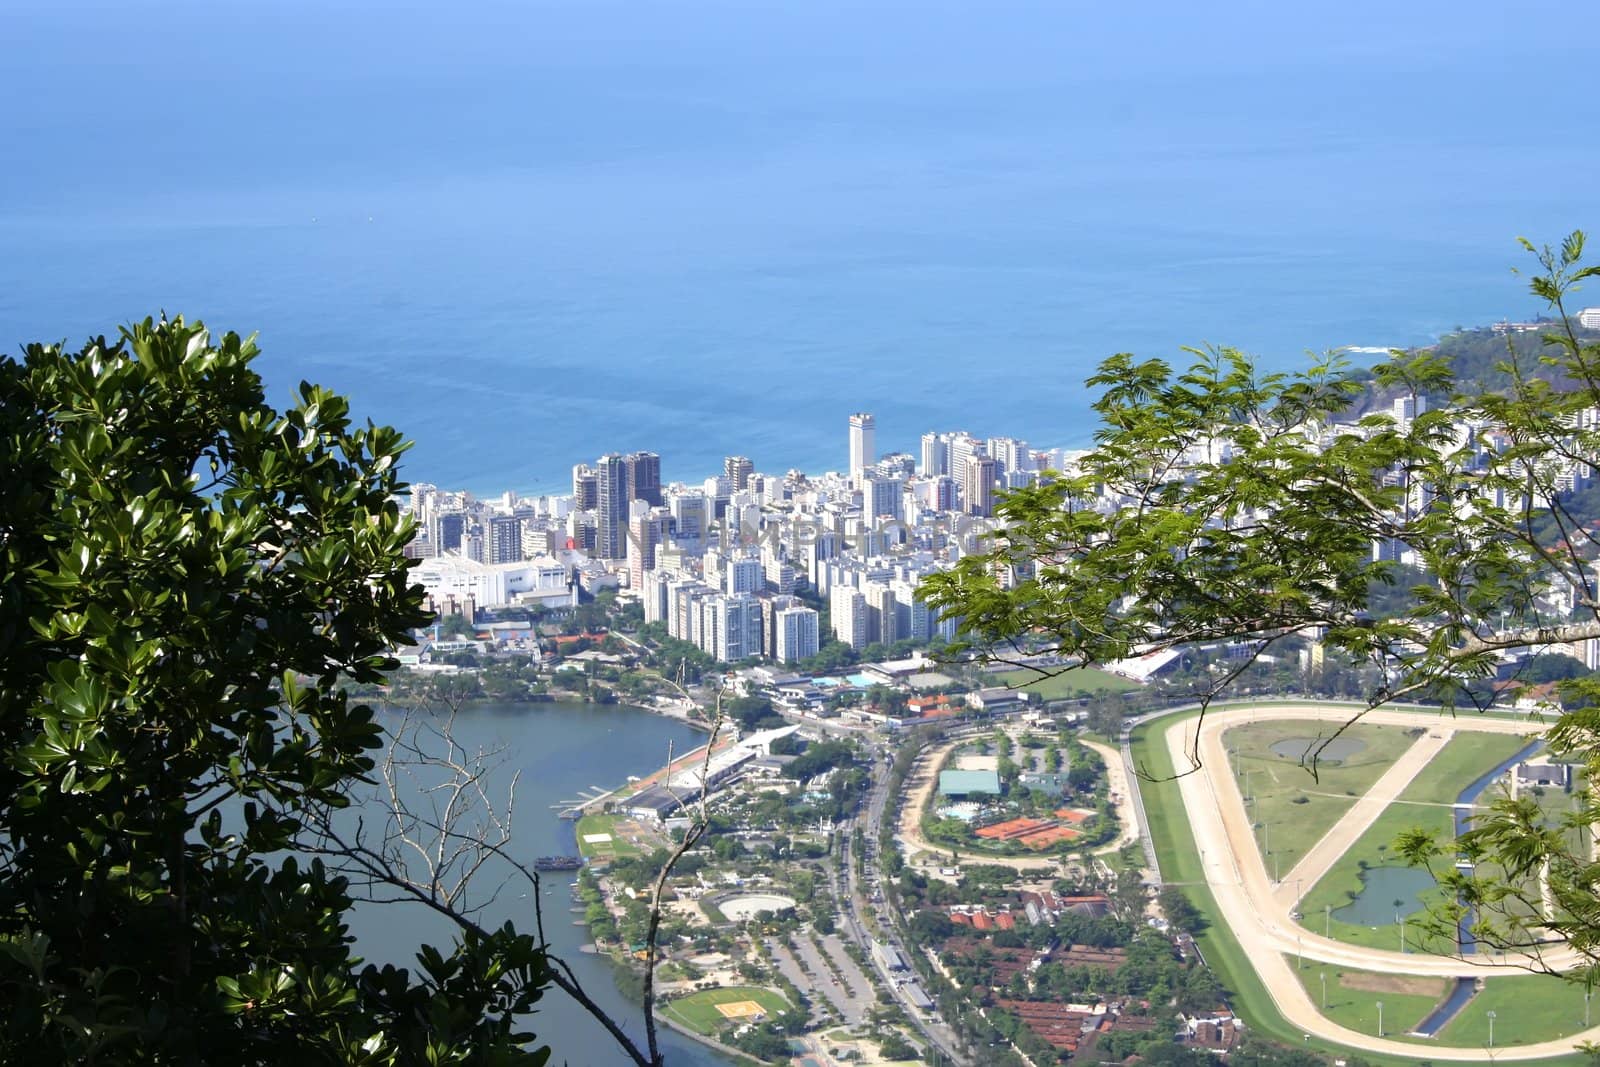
column 1122, row 797
column 1258, row 913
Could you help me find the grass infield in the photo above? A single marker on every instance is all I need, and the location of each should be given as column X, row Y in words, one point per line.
column 710, row 1010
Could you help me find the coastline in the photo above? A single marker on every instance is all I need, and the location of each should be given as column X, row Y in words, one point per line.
column 389, row 700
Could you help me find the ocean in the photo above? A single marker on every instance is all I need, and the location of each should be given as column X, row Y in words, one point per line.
column 529, row 233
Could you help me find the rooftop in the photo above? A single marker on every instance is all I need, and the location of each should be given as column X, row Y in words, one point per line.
column 964, row 783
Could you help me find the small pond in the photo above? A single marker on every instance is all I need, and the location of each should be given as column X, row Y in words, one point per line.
column 1380, row 888
column 1338, row 750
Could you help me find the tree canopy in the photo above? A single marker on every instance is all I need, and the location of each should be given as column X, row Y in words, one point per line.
column 1224, row 507
column 188, row 581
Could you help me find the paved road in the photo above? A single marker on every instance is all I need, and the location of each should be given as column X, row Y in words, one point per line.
column 1117, row 782
column 920, row 784
column 1259, row 918
column 870, row 820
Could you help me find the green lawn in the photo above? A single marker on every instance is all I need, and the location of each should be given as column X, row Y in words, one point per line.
column 1527, row 1007
column 603, row 850
column 698, row 1011
column 1181, row 863
column 1083, row 680
column 1424, row 803
column 1292, row 810
column 1353, row 997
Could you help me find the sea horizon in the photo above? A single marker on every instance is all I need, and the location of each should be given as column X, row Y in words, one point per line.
column 528, row 235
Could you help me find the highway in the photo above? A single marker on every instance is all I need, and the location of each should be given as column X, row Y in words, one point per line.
column 854, row 892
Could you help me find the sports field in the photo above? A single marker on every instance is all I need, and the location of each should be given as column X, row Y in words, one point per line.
column 710, row 1010
column 1064, row 686
column 598, row 838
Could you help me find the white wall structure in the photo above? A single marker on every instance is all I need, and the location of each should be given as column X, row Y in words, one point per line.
column 492, row 585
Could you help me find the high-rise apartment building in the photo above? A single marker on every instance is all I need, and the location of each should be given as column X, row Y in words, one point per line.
column 731, row 627
column 883, row 623
column 847, row 611
column 1010, row 455
column 448, row 529
column 611, row 506
column 646, row 525
column 912, row 618
column 863, row 445
column 504, row 539
column 962, row 448
column 977, row 489
column 585, row 488
column 935, row 454
column 743, row 576
column 880, row 497
column 644, row 477
column 895, row 465
column 689, row 521
column 737, row 469
column 796, row 632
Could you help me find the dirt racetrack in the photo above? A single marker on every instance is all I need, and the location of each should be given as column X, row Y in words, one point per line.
column 1258, row 913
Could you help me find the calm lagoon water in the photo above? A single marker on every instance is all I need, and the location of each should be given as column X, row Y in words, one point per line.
column 560, row 750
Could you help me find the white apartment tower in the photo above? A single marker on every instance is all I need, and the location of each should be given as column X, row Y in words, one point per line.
column 935, row 454
column 743, row 576
column 882, row 623
column 977, row 489
column 847, row 610
column 731, row 627
column 797, row 637
column 880, row 496
column 863, row 445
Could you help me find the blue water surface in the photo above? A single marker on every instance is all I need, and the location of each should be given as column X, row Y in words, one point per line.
column 530, row 232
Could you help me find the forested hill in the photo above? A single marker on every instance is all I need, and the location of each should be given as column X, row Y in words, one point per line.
column 1478, row 355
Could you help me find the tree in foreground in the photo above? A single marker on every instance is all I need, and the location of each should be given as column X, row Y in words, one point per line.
column 188, row 580
column 1224, row 506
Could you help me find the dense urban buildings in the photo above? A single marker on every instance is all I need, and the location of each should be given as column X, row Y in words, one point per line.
column 743, row 564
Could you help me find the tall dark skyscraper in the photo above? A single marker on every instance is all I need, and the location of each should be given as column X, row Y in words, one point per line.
column 611, row 506
column 644, row 478
column 505, row 539
column 448, row 529
column 585, row 490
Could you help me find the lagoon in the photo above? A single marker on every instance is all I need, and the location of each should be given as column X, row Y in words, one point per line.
column 559, row 749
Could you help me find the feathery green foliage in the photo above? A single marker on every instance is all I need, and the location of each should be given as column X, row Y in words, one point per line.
column 1223, row 505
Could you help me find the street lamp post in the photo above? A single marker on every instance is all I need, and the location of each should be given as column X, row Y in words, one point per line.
column 1402, row 927
column 1380, row 1018
column 1327, row 920
column 1324, row 977
column 1491, row 1028
column 1586, row 997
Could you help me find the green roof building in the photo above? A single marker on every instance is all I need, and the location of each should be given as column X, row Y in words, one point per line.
column 969, row 783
